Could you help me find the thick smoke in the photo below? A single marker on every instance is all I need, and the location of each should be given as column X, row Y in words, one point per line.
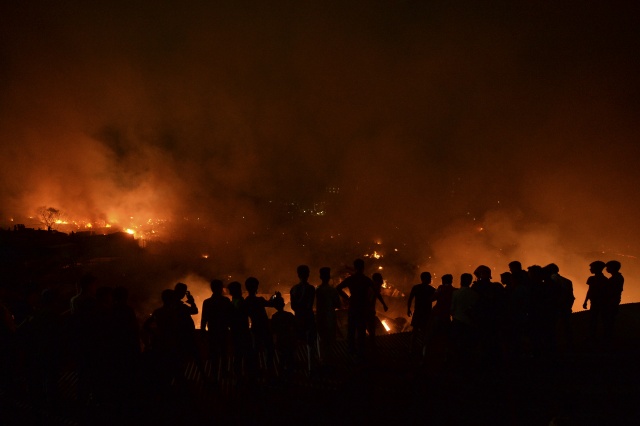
column 457, row 134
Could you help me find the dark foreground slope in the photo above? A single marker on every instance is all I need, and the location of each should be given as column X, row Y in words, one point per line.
column 589, row 385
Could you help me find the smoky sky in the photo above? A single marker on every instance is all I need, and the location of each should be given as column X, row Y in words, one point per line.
column 426, row 115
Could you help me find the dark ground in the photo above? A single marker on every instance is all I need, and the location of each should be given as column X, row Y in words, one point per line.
column 591, row 385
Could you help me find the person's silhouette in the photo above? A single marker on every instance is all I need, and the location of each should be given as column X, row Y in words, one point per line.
column 303, row 297
column 283, row 325
column 360, row 288
column 463, row 324
column 544, row 311
column 187, row 327
column 214, row 322
column 42, row 335
column 239, row 327
column 615, row 286
column 373, row 322
column 597, row 295
column 441, row 312
column 83, row 321
column 260, row 331
column 327, row 301
column 165, row 329
column 423, row 294
column 126, row 345
column 565, row 298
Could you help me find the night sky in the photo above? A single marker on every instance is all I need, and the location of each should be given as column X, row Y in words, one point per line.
column 471, row 132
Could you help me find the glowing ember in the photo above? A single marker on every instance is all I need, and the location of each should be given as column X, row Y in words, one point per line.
column 130, row 231
column 386, row 326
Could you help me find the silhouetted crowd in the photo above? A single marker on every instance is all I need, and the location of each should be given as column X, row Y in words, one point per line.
column 517, row 317
column 99, row 337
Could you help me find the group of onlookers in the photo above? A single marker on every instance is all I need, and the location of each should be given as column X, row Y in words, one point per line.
column 521, row 312
column 100, row 335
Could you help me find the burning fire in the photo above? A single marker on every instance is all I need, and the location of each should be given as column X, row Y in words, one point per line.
column 374, row 255
column 147, row 228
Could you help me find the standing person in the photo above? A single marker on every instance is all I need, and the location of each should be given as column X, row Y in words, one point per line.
column 519, row 276
column 41, row 333
column 519, row 307
column 423, row 294
column 564, row 293
column 216, row 311
column 463, row 326
column 239, row 327
column 260, row 330
column 615, row 288
column 83, row 321
column 360, row 288
column 187, row 327
column 303, row 296
column 490, row 312
column 377, row 295
column 189, row 307
column 597, row 295
column 7, row 340
column 103, row 391
column 544, row 311
column 126, row 344
column 283, row 325
column 164, row 327
column 327, row 301
column 441, row 312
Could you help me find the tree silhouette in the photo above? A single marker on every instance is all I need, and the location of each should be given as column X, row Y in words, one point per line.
column 48, row 216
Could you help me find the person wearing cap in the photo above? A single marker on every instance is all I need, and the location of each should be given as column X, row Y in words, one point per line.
column 597, row 295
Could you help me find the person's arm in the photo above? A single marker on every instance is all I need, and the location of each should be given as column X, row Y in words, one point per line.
column 436, row 294
column 411, row 296
column 335, row 299
column 293, row 298
column 312, row 299
column 340, row 287
column 587, row 297
column 193, row 308
column 452, row 307
column 270, row 303
column 204, row 317
column 384, row 305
